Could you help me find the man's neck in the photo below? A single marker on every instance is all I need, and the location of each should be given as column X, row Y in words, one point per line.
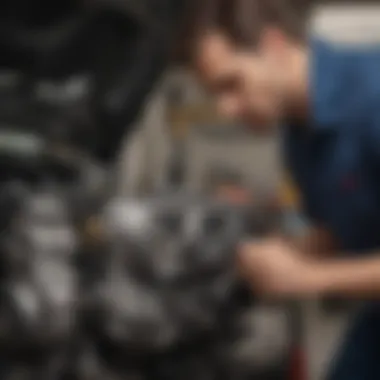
column 298, row 90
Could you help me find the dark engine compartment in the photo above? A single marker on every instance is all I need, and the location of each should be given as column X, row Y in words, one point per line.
column 113, row 52
column 93, row 286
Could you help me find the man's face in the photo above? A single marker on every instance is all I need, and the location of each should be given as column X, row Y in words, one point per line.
column 248, row 86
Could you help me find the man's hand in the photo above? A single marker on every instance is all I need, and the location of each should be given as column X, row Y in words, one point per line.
column 274, row 269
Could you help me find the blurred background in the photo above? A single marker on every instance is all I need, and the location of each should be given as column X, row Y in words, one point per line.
column 162, row 134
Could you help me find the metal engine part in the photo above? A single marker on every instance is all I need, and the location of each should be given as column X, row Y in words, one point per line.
column 123, row 288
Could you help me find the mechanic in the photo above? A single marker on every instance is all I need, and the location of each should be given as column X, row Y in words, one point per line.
column 257, row 59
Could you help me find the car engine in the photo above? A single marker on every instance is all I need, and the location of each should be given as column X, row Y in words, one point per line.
column 94, row 286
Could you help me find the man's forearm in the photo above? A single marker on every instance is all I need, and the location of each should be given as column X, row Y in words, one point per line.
column 348, row 277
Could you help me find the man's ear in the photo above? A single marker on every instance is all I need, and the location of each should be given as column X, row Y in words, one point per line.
column 273, row 41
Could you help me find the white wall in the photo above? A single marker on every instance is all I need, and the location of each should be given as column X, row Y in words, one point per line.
column 348, row 23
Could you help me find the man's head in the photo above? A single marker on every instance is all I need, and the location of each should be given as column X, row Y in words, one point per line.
column 250, row 54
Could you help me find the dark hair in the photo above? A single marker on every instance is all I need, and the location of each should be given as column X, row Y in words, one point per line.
column 243, row 20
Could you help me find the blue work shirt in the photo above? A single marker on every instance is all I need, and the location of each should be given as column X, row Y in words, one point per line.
column 335, row 161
